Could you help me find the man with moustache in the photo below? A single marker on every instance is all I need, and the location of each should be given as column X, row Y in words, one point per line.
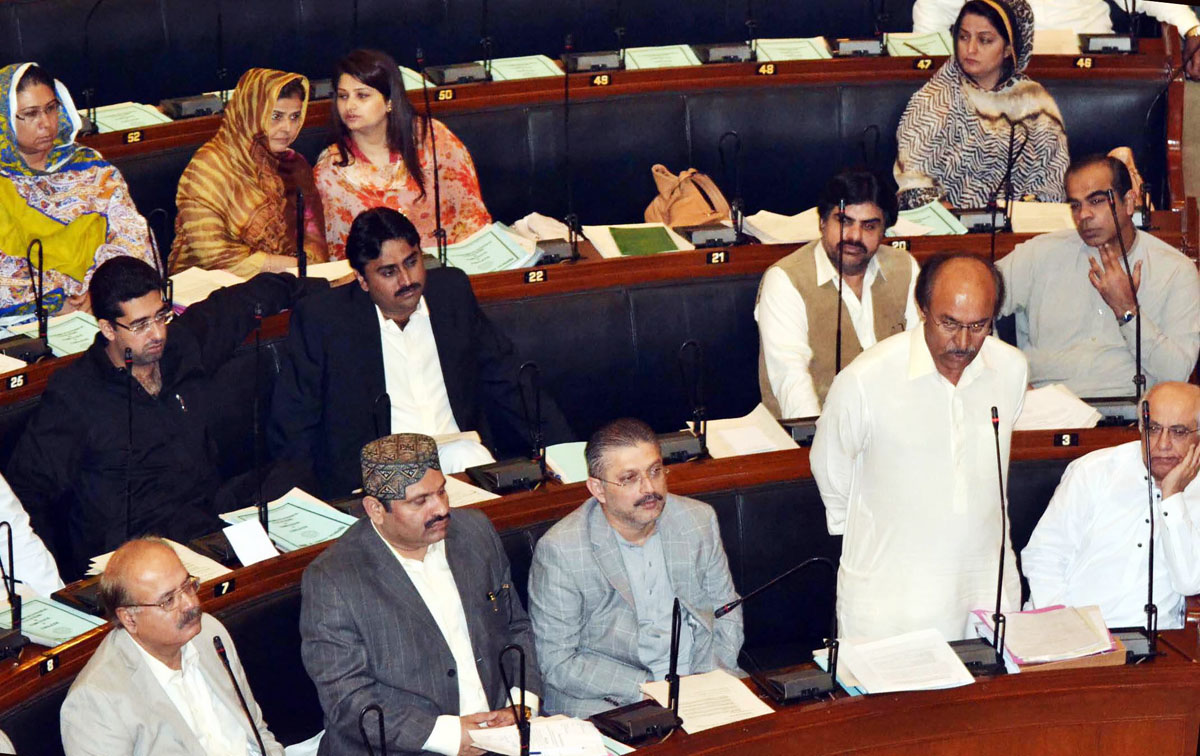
column 403, row 351
column 1075, row 311
column 155, row 684
column 603, row 581
column 904, row 456
column 797, row 307
column 1090, row 545
column 115, row 451
column 410, row 610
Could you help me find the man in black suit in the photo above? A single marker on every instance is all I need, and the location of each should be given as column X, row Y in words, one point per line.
column 404, row 351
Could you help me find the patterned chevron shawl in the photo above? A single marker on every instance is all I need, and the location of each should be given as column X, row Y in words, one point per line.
column 954, row 136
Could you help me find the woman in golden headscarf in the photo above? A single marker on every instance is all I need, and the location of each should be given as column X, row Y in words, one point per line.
column 237, row 197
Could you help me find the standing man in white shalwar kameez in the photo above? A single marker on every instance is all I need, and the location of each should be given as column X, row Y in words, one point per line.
column 905, row 459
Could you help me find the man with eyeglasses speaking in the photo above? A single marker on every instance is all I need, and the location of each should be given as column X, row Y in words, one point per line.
column 604, row 579
column 157, row 684
column 905, row 459
column 1090, row 545
column 116, row 451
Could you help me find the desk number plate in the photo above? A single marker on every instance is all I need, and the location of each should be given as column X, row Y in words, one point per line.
column 224, row 588
column 535, row 276
column 923, row 64
column 600, row 80
column 718, row 257
column 1085, row 62
column 47, row 664
column 1066, row 439
column 133, row 137
column 765, row 69
column 14, row 382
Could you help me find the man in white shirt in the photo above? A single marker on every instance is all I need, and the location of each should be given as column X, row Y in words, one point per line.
column 410, row 609
column 35, row 566
column 1091, row 545
column 156, row 685
column 1076, row 315
column 797, row 306
column 1080, row 16
column 905, row 458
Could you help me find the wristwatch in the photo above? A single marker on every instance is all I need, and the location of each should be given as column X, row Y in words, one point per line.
column 1128, row 316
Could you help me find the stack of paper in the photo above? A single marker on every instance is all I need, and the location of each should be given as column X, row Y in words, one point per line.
column 920, row 660
column 195, row 284
column 937, row 218
column 1053, row 407
column 128, row 115
column 413, row 81
column 10, row 364
column 47, row 622
column 66, row 334
column 196, row 564
column 490, row 249
column 297, row 519
column 1041, row 217
column 524, row 67
column 773, row 228
column 1051, row 634
column 668, row 56
column 908, row 44
column 464, row 494
column 635, row 239
column 755, row 433
column 567, row 461
column 710, row 700
column 774, row 50
column 548, row 736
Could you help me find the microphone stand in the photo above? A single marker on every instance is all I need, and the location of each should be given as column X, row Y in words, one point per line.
column 520, row 714
column 673, row 674
column 89, row 94
column 222, row 72
column 574, row 230
column 362, row 730
column 39, row 302
column 695, row 389
column 533, row 421
column 220, row 648
column 751, row 32
column 1142, row 643
column 1139, row 378
column 485, row 40
column 439, row 233
column 737, row 207
column 301, row 255
column 129, row 461
column 841, row 279
column 11, row 640
column 260, row 502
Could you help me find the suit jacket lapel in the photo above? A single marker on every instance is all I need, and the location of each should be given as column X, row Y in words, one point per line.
column 447, row 334
column 160, row 708
column 365, row 333
column 606, row 550
column 471, row 583
column 381, row 563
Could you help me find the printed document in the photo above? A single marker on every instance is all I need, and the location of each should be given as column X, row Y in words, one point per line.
column 297, row 519
column 548, row 736
column 920, row 660
column 710, row 700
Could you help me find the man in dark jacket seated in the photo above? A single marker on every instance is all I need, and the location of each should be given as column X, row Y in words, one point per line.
column 122, row 443
column 404, row 351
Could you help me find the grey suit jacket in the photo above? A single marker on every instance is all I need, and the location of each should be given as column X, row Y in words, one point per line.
column 368, row 638
column 116, row 705
column 583, row 613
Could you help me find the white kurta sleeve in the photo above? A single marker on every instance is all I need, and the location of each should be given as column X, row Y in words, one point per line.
column 783, row 332
column 1047, row 558
column 35, row 566
column 1181, row 16
column 1178, row 517
column 934, row 15
column 912, row 315
column 841, row 436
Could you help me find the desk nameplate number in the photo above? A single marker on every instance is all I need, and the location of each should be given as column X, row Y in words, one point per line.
column 1085, row 62
column 47, row 664
column 765, row 69
column 15, row 382
column 224, row 588
column 535, row 276
column 445, row 95
column 717, row 257
column 133, row 137
column 901, row 244
column 1066, row 439
column 923, row 64
column 600, row 80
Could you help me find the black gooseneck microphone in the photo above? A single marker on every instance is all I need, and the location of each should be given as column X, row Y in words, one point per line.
column 1141, row 643
column 520, row 713
column 301, row 256
column 11, row 640
column 486, row 43
column 693, row 382
column 362, row 729
column 39, row 291
column 1139, row 378
column 439, row 233
column 751, row 30
column 89, row 94
column 386, row 411
column 574, row 230
column 737, row 206
column 222, row 71
column 533, row 420
column 260, row 501
column 129, row 441
column 220, row 648
column 841, row 279
column 673, row 673
column 998, row 619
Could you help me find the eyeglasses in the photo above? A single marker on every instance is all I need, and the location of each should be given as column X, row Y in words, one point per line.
column 952, row 327
column 32, row 114
column 162, row 318
column 632, row 478
column 190, row 587
column 1178, row 432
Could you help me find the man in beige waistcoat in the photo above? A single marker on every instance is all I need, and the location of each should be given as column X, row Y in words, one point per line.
column 798, row 297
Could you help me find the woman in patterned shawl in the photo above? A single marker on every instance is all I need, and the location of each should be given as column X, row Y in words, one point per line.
column 61, row 193
column 954, row 137
column 237, row 197
column 382, row 157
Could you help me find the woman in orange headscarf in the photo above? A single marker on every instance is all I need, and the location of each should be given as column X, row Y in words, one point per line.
column 237, row 197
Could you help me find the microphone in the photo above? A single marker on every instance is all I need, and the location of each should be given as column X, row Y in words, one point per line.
column 220, row 647
column 129, row 455
column 673, row 674
column 485, row 40
column 301, row 256
column 695, row 389
column 439, row 233
column 841, row 279
column 11, row 640
column 386, row 411
column 1142, row 643
column 518, row 473
column 533, row 421
column 618, row 32
column 751, row 30
column 802, row 684
column 89, row 94
column 362, row 730
column 39, row 291
column 520, row 714
column 1139, row 378
column 574, row 229
column 737, row 207
column 260, row 501
column 222, row 72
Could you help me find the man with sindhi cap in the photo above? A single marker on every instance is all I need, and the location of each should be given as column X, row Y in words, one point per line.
column 410, row 610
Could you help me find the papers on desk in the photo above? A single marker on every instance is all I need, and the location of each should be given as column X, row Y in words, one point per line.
column 250, row 542
column 548, row 736
column 195, row 284
column 710, row 700
column 413, row 80
column 795, row 48
column 773, row 228
column 464, row 494
column 667, row 56
column 49, row 623
column 523, row 67
column 935, row 217
column 128, row 115
column 567, row 461
column 297, row 519
column 490, row 249
column 1052, row 634
column 1041, row 217
column 907, row 227
column 845, row 677
column 1055, row 406
column 755, row 433
column 635, row 239
column 536, row 227
column 196, row 564
column 66, row 334
column 911, row 45
column 330, row 271
column 1055, row 42
column 920, row 660
column 10, row 364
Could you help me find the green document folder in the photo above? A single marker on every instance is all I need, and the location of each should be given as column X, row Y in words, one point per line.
column 642, row 241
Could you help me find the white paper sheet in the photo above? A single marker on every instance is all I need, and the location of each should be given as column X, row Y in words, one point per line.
column 297, row 519
column 548, row 736
column 920, row 660
column 196, row 564
column 1053, row 407
column 195, row 284
column 250, row 542
column 1051, row 634
column 1041, row 217
column 792, row 48
column 1055, row 42
column 464, row 494
column 755, row 433
column 523, row 67
column 937, row 218
column 667, row 56
column 773, row 228
column 912, row 45
column 66, row 334
column 330, row 271
column 710, row 700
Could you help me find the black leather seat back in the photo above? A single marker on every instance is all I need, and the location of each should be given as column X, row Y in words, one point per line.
column 504, row 161
column 32, row 725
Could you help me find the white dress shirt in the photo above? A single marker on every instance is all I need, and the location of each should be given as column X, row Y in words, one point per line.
column 1069, row 334
column 435, row 583
column 1081, row 16
column 35, row 566
column 218, row 729
column 906, row 465
column 783, row 329
column 412, row 376
column 1090, row 547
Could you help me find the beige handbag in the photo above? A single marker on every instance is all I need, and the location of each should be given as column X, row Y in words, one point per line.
column 689, row 199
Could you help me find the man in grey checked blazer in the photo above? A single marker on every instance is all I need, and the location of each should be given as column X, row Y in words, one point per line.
column 372, row 633
column 599, row 628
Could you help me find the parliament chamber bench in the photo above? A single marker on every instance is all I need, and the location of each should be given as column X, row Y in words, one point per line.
column 769, row 512
column 797, row 126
